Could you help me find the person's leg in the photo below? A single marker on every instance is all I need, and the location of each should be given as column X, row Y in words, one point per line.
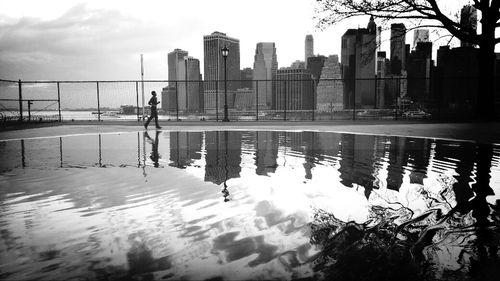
column 156, row 119
column 147, row 122
column 156, row 122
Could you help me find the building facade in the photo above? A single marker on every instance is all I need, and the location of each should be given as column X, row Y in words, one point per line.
column 244, row 99
column 358, row 60
column 190, row 94
column 330, row 89
column 294, row 89
column 308, row 47
column 264, row 73
column 246, row 78
column 456, row 78
column 419, row 67
column 174, row 57
column 398, row 48
column 214, row 69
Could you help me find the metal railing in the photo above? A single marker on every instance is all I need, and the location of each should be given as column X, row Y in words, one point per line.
column 392, row 97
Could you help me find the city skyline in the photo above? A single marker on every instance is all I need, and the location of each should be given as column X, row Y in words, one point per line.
column 93, row 40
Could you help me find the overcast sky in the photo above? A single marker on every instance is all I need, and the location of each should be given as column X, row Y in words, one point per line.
column 103, row 39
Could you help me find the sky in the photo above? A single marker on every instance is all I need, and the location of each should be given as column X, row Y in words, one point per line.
column 103, row 39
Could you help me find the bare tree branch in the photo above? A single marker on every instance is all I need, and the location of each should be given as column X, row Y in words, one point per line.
column 334, row 11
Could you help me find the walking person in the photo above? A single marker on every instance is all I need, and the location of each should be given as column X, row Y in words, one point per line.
column 154, row 113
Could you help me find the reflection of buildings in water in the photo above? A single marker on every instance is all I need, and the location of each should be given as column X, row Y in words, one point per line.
column 223, row 156
column 303, row 143
column 395, row 170
column 309, row 152
column 461, row 158
column 362, row 159
column 185, row 147
column 481, row 185
column 327, row 146
column 472, row 164
column 364, row 162
column 346, row 159
column 417, row 152
column 380, row 163
column 266, row 152
column 357, row 165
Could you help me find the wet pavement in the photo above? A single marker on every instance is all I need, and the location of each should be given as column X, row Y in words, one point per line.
column 479, row 132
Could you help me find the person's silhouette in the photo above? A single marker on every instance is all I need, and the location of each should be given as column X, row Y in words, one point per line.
column 153, row 102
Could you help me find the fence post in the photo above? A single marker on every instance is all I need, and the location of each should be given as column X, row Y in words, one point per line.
column 354, row 100
column 98, row 103
column 177, row 100
column 396, row 100
column 314, row 98
column 257, row 99
column 217, row 97
column 29, row 110
column 137, row 99
column 20, row 101
column 284, row 115
column 59, row 101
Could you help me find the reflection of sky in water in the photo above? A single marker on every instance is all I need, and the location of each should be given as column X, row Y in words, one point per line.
column 206, row 204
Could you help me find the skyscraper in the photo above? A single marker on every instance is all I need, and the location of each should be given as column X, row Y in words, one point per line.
column 170, row 94
column 382, row 98
column 419, row 68
column 246, row 78
column 315, row 65
column 468, row 22
column 265, row 67
column 214, row 69
column 309, row 47
column 174, row 58
column 330, row 87
column 358, row 59
column 398, row 52
column 189, row 94
column 294, row 89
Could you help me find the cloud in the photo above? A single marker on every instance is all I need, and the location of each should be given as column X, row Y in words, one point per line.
column 83, row 43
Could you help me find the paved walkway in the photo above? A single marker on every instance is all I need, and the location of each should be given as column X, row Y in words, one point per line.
column 480, row 132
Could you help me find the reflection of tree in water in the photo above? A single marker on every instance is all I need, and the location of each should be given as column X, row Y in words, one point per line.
column 445, row 243
column 412, row 250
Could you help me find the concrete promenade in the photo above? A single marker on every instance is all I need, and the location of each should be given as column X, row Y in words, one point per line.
column 479, row 132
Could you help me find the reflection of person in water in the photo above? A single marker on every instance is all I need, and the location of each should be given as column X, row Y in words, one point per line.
column 154, row 156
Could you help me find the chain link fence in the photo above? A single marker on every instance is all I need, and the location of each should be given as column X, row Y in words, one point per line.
column 375, row 98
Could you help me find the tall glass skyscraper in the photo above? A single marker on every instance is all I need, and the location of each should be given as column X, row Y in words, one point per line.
column 398, row 45
column 214, row 69
column 174, row 58
column 265, row 67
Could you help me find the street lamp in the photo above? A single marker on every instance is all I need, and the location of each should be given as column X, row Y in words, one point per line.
column 225, row 52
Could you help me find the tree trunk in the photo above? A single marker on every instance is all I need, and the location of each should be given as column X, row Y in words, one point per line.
column 485, row 106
